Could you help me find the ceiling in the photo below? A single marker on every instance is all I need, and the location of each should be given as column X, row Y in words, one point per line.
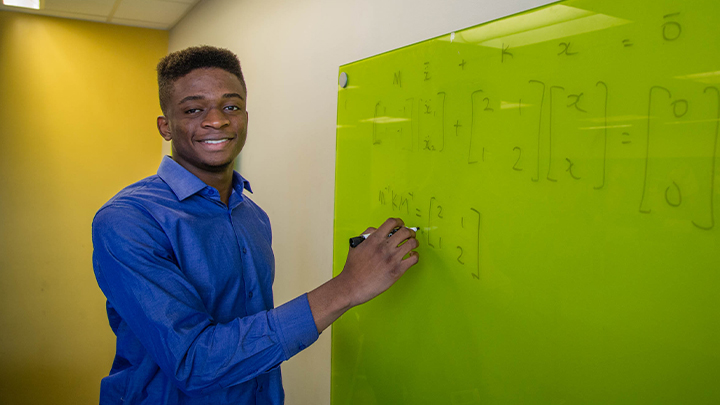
column 158, row 14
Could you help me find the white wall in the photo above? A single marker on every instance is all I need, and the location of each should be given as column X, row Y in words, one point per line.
column 290, row 53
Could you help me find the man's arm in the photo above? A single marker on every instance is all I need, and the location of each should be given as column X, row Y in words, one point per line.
column 371, row 268
column 137, row 270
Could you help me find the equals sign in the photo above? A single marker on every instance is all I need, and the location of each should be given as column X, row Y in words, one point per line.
column 626, row 43
column 627, row 141
column 417, row 213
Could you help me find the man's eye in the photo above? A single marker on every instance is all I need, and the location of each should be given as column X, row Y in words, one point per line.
column 233, row 108
column 191, row 110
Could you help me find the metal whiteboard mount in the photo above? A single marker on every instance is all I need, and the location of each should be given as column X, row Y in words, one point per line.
column 343, row 80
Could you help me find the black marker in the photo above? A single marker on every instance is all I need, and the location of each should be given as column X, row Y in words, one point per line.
column 358, row 239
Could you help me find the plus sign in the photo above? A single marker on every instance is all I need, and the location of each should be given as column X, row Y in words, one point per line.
column 457, row 125
column 462, row 65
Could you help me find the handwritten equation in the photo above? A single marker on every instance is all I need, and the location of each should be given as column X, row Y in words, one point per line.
column 554, row 148
column 433, row 217
column 551, row 128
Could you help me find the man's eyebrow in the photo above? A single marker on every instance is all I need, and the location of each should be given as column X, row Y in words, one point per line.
column 229, row 95
column 226, row 95
column 188, row 98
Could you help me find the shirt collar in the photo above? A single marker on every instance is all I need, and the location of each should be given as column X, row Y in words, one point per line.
column 239, row 180
column 184, row 184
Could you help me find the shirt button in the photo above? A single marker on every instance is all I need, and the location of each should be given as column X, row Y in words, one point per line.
column 250, row 294
column 244, row 251
column 260, row 388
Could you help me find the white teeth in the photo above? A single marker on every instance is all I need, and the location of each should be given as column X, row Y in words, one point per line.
column 216, row 142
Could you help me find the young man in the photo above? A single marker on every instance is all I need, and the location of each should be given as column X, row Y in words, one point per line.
column 186, row 263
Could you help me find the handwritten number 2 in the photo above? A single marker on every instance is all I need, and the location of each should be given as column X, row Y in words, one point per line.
column 487, row 105
column 517, row 148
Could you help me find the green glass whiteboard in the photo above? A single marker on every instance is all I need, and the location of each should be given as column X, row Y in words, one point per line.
column 562, row 165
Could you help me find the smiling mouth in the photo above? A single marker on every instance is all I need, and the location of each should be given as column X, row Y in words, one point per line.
column 215, row 141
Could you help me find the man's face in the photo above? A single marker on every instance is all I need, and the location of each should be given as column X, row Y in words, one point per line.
column 206, row 120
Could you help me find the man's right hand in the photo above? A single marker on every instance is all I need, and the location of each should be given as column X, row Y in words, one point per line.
column 371, row 268
column 377, row 263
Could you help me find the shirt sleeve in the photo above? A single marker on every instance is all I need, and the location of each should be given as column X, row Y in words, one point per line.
column 137, row 271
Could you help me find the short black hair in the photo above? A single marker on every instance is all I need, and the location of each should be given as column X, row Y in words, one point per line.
column 180, row 63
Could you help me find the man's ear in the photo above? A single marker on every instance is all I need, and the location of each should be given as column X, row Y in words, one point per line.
column 164, row 127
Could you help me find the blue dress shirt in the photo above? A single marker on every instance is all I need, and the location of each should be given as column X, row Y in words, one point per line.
column 188, row 282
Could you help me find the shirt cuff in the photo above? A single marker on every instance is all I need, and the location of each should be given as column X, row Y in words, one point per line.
column 296, row 325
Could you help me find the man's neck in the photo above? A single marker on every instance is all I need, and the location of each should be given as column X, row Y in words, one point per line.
column 221, row 180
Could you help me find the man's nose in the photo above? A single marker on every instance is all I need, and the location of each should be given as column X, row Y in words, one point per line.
column 215, row 119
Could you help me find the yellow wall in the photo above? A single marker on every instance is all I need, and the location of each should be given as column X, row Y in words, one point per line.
column 78, row 102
